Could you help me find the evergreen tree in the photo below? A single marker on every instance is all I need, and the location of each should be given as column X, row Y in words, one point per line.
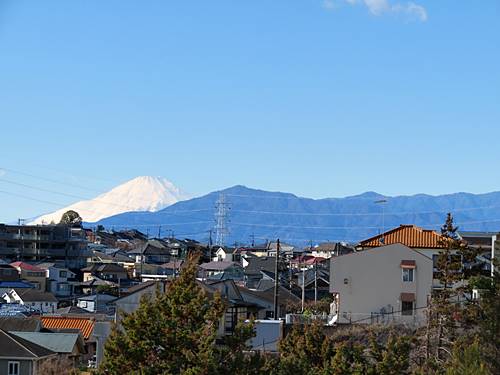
column 71, row 218
column 172, row 334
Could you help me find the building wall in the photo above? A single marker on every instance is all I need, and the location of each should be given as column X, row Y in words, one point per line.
column 25, row 367
column 371, row 280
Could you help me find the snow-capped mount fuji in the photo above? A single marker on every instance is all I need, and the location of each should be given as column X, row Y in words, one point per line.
column 144, row 193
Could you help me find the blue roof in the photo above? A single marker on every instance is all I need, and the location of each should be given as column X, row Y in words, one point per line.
column 15, row 284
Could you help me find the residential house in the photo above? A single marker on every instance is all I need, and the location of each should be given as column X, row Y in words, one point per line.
column 487, row 243
column 254, row 265
column 6, row 286
column 426, row 241
column 106, row 271
column 94, row 332
column 43, row 302
column 227, row 254
column 95, row 303
column 33, row 274
column 221, row 271
column 58, row 279
column 286, row 250
column 265, row 300
column 382, row 284
column 331, row 249
column 24, row 324
column 68, row 346
column 159, row 251
column 106, row 255
column 316, row 280
column 237, row 308
column 130, row 300
column 21, row 357
column 8, row 273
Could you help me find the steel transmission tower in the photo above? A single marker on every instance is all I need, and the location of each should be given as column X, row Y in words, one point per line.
column 222, row 208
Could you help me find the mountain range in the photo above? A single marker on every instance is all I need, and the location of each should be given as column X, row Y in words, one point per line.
column 144, row 193
column 256, row 215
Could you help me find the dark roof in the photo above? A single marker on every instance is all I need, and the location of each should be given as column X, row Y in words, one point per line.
column 20, row 324
column 218, row 266
column 105, row 267
column 70, row 310
column 35, row 295
column 265, row 284
column 257, row 264
column 284, row 294
column 14, row 346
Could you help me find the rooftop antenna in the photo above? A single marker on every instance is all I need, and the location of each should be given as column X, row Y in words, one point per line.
column 221, row 218
column 382, row 202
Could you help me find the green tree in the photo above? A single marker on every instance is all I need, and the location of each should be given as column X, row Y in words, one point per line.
column 392, row 358
column 304, row 350
column 349, row 359
column 467, row 360
column 173, row 333
column 71, row 218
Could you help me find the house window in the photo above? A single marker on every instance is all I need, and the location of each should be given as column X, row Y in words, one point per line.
column 408, row 275
column 13, row 368
column 63, row 273
column 406, row 307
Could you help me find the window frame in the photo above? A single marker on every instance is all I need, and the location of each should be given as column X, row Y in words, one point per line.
column 15, row 365
column 410, row 272
column 407, row 312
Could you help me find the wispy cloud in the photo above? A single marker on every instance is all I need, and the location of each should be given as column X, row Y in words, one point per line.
column 329, row 4
column 380, row 7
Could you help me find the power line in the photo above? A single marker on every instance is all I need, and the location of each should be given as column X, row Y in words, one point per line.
column 48, row 179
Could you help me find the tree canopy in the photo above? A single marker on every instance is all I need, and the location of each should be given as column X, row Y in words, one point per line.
column 71, row 218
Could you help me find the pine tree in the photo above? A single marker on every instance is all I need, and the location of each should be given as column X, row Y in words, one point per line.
column 172, row 334
column 451, row 313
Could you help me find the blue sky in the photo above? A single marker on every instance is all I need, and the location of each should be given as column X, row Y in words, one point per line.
column 318, row 98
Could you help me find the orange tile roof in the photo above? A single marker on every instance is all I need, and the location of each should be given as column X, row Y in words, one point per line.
column 85, row 325
column 409, row 235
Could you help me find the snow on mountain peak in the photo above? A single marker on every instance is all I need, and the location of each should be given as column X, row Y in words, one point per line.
column 143, row 193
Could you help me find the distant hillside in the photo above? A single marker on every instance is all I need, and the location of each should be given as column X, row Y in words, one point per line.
column 144, row 193
column 271, row 215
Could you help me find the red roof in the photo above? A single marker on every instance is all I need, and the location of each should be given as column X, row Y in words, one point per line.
column 307, row 259
column 408, row 235
column 26, row 266
column 85, row 325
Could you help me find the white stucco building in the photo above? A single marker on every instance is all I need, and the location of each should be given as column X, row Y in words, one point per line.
column 387, row 283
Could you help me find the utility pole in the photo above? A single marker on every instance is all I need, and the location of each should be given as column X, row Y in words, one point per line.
column 315, row 281
column 382, row 202
column 159, row 231
column 20, row 223
column 303, row 288
column 276, row 280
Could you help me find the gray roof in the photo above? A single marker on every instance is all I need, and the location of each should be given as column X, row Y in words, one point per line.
column 35, row 295
column 71, row 310
column 12, row 323
column 100, row 297
column 257, row 264
column 14, row 346
column 56, row 342
column 218, row 266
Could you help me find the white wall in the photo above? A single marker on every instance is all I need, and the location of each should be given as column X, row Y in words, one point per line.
column 374, row 281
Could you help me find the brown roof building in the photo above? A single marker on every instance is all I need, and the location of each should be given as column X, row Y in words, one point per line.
column 408, row 235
